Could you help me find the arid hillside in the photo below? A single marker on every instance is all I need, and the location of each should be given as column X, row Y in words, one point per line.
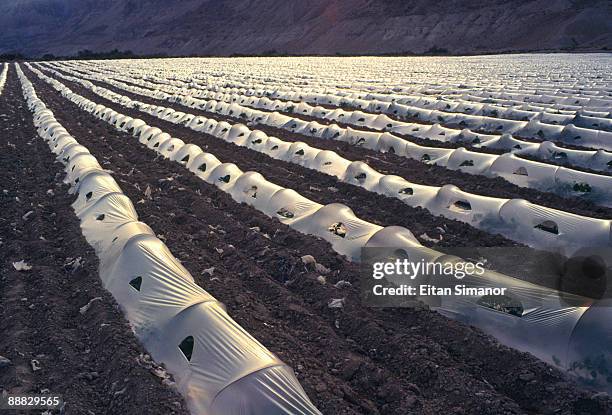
column 225, row 27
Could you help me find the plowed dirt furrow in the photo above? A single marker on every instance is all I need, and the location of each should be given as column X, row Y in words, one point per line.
column 90, row 356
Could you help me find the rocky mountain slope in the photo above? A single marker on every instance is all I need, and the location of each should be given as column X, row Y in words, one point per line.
column 224, row 27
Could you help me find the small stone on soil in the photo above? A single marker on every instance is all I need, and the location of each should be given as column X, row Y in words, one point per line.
column 308, row 259
column 35, row 365
column 86, row 307
column 322, row 269
column 5, row 362
column 526, row 376
column 336, row 303
column 342, row 284
column 22, row 266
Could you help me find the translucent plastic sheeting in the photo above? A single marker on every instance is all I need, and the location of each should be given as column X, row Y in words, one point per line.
column 550, row 227
column 478, row 211
column 335, row 222
column 554, row 88
column 533, row 128
column 217, row 365
column 562, row 329
column 71, row 151
column 542, row 322
column 93, row 186
column 545, row 315
column 3, row 74
column 168, row 307
column 465, row 160
column 100, row 219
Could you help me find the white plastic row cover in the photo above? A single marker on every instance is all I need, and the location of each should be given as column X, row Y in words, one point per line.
column 558, row 95
column 432, row 109
column 450, row 104
column 565, row 99
column 218, row 366
column 261, row 99
column 595, row 160
column 579, row 129
column 3, row 74
column 520, row 220
column 335, row 223
column 545, row 320
column 534, row 126
column 453, row 100
column 520, row 171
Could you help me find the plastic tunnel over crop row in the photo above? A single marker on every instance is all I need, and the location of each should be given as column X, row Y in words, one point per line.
column 538, row 226
column 510, row 166
column 3, row 73
column 443, row 107
column 465, row 131
column 219, row 367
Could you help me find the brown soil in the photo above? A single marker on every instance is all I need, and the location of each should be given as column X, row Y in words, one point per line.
column 91, row 358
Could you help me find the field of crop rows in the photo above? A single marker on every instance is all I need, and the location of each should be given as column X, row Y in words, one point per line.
column 217, row 210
